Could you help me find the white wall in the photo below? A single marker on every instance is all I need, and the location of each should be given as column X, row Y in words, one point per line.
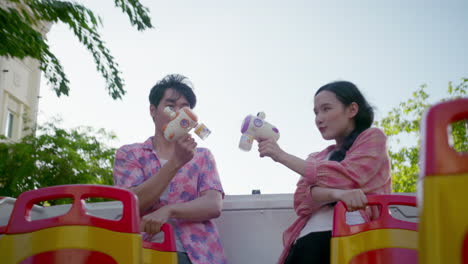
column 251, row 227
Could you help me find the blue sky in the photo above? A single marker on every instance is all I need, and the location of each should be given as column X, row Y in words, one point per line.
column 249, row 56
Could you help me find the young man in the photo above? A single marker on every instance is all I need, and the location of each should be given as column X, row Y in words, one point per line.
column 175, row 182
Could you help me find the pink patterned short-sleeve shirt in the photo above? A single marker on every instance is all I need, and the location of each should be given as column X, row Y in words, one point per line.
column 135, row 163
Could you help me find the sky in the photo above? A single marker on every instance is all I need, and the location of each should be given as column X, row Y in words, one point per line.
column 244, row 57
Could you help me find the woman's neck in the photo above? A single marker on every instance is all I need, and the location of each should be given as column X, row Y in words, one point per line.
column 338, row 144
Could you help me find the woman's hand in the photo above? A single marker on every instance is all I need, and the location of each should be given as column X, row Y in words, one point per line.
column 354, row 199
column 152, row 222
column 270, row 148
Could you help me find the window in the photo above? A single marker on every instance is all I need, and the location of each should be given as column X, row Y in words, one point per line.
column 9, row 125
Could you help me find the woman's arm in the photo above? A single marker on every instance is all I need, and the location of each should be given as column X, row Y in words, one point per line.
column 354, row 199
column 367, row 157
column 270, row 148
column 365, row 166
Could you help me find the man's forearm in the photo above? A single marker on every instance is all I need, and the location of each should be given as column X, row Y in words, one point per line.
column 150, row 190
column 206, row 207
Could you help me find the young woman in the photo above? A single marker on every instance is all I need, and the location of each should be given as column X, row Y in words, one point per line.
column 356, row 165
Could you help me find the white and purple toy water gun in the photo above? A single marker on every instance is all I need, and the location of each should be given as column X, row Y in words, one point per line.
column 181, row 123
column 255, row 127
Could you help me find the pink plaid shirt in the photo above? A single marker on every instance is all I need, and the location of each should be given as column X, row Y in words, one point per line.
column 136, row 163
column 366, row 166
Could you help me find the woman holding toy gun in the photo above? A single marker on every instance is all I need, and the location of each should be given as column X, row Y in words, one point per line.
column 356, row 165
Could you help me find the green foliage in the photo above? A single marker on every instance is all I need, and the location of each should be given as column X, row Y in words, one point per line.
column 459, row 129
column 55, row 157
column 21, row 20
column 402, row 123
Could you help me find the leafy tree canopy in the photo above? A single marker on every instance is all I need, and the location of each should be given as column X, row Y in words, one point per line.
column 20, row 36
column 402, row 123
column 56, row 156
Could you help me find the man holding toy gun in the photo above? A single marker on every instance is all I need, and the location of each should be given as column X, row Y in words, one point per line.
column 175, row 181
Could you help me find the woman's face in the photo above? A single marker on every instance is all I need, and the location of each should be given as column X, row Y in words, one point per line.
column 333, row 119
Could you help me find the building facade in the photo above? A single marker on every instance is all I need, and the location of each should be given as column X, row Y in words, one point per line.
column 19, row 95
column 19, row 92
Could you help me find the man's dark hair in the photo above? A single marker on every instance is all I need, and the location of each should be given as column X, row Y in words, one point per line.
column 179, row 83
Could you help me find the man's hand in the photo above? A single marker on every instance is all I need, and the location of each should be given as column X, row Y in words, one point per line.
column 270, row 148
column 354, row 199
column 184, row 150
column 151, row 223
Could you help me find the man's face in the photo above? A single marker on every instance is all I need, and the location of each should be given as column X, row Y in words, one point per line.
column 172, row 99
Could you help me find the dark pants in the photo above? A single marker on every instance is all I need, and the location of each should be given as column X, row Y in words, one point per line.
column 182, row 258
column 313, row 248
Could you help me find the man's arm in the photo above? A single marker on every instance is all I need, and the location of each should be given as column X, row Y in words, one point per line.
column 151, row 189
column 128, row 173
column 205, row 207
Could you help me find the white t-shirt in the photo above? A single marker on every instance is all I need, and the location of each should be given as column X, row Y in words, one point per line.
column 322, row 220
column 159, row 237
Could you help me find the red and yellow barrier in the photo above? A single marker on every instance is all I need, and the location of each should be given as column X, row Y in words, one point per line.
column 443, row 229
column 74, row 237
column 161, row 252
column 385, row 240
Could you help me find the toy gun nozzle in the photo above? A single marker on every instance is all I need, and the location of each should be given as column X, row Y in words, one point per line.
column 202, row 131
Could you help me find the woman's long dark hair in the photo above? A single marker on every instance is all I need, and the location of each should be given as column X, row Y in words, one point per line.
column 347, row 93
